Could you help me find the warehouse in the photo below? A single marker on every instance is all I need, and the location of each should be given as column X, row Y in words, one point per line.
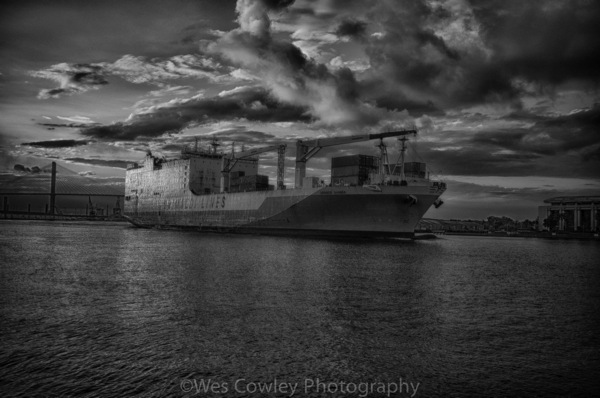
column 570, row 214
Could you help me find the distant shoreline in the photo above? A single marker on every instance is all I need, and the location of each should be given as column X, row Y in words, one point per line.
column 419, row 235
column 532, row 234
column 59, row 217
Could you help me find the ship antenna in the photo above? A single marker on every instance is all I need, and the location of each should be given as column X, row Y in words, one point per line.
column 196, row 145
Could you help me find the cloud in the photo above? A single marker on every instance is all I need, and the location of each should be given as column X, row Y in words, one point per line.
column 57, row 143
column 388, row 99
column 546, row 43
column 240, row 134
column 543, row 145
column 73, row 78
column 138, row 69
column 466, row 52
column 553, row 135
column 121, row 164
column 417, row 59
column 356, row 65
column 247, row 103
column 76, row 119
column 331, row 96
column 171, row 90
column 24, row 169
column 52, row 126
column 253, row 17
column 351, row 28
column 79, row 78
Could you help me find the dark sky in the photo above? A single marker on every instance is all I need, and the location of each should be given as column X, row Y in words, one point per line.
column 504, row 93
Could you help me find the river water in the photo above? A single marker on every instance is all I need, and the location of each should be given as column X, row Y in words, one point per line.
column 110, row 310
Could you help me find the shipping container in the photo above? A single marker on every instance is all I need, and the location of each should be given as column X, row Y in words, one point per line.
column 345, row 171
column 249, row 183
column 354, row 160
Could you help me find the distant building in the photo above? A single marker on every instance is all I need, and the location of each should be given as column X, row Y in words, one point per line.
column 431, row 225
column 570, row 214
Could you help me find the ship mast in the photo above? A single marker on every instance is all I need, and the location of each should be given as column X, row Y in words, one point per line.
column 401, row 160
column 384, row 167
column 214, row 144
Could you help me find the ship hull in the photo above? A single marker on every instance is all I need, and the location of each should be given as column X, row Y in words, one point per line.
column 387, row 211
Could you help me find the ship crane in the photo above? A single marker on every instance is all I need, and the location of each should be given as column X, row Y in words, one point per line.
column 307, row 149
column 229, row 161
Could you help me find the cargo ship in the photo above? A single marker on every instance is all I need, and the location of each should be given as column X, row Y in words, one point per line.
column 208, row 190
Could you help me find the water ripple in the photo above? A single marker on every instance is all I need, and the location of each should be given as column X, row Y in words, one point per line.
column 108, row 310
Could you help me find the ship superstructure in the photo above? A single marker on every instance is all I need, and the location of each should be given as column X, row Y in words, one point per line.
column 209, row 190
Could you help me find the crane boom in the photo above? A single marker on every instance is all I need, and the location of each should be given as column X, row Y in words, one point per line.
column 229, row 161
column 325, row 142
column 307, row 149
column 252, row 152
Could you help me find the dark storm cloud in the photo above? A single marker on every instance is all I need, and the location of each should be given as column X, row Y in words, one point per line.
column 57, row 31
column 546, row 42
column 551, row 135
column 252, row 104
column 25, row 169
column 409, row 53
column 566, row 146
column 351, row 28
column 425, row 37
column 241, row 135
column 57, row 143
column 277, row 4
column 69, row 125
column 397, row 101
column 485, row 51
column 470, row 160
column 591, row 155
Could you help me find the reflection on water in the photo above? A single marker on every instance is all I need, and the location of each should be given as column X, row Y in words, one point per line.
column 114, row 310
